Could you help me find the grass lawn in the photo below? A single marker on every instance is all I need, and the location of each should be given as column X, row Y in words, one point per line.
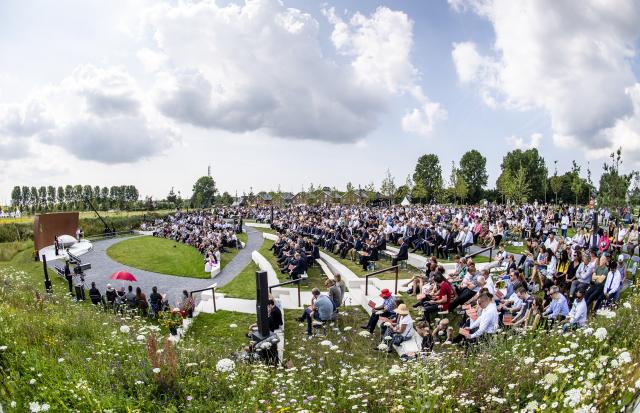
column 353, row 349
column 8, row 250
column 267, row 230
column 381, row 264
column 228, row 256
column 315, row 273
column 208, row 328
column 159, row 255
column 244, row 285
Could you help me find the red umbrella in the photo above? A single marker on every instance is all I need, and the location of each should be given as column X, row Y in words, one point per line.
column 123, row 275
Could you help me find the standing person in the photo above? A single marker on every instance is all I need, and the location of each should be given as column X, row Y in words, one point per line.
column 632, row 239
column 341, row 284
column 78, row 283
column 67, row 275
column 94, row 294
column 334, row 293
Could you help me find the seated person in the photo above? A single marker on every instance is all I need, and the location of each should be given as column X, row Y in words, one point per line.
column 400, row 329
column 130, row 298
column 578, row 315
column 321, row 309
column 442, row 300
column 111, row 294
column 386, row 309
column 484, row 325
column 155, row 299
column 558, row 310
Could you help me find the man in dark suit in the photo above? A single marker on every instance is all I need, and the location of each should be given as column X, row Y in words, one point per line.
column 403, row 254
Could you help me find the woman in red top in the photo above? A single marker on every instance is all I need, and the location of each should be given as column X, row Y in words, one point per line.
column 443, row 298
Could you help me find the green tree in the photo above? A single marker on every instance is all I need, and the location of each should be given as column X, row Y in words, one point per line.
column 388, row 186
column 26, row 197
column 350, row 197
column 461, row 189
column 172, row 198
column 473, row 168
column 16, row 197
column 429, row 173
column 51, row 196
column 371, row 192
column 419, row 192
column 204, row 190
column 556, row 182
column 613, row 184
column 577, row 183
column 61, row 198
column 42, row 198
column 534, row 167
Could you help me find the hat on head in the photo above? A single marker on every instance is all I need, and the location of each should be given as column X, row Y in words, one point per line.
column 620, row 258
column 109, row 287
column 385, row 293
column 402, row 309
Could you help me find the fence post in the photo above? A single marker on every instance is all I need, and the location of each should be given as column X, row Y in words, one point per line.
column 491, row 254
column 299, row 300
column 366, row 284
column 396, row 280
column 213, row 293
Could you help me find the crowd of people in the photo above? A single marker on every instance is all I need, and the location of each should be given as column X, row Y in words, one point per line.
column 557, row 279
column 209, row 232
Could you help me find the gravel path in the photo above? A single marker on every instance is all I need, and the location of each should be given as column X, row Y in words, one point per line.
column 102, row 266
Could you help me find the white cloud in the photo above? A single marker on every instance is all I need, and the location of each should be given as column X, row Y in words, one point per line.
column 570, row 58
column 421, row 121
column 517, row 142
column 261, row 66
column 95, row 114
column 624, row 134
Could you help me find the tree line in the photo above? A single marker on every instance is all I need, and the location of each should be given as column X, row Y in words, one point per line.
column 72, row 197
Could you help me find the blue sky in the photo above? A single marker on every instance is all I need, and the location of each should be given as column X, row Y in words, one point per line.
column 150, row 93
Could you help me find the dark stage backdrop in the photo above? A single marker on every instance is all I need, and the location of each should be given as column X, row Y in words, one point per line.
column 47, row 226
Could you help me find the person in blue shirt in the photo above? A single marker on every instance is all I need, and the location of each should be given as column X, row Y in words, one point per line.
column 558, row 310
column 321, row 309
column 386, row 309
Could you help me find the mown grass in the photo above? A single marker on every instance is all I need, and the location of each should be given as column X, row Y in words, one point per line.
column 316, row 275
column 74, row 357
column 216, row 327
column 8, row 250
column 244, row 284
column 159, row 255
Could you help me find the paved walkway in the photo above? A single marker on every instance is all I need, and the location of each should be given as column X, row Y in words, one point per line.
column 102, row 266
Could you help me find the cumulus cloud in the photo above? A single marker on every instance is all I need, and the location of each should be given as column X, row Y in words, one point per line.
column 517, row 142
column 261, row 66
column 95, row 114
column 569, row 58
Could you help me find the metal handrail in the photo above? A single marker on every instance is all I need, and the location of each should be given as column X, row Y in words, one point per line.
column 297, row 282
column 490, row 249
column 366, row 278
column 213, row 294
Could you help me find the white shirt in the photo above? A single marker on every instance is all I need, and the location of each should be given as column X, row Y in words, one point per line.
column 565, row 221
column 612, row 283
column 408, row 322
column 553, row 245
column 487, row 322
column 578, row 313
